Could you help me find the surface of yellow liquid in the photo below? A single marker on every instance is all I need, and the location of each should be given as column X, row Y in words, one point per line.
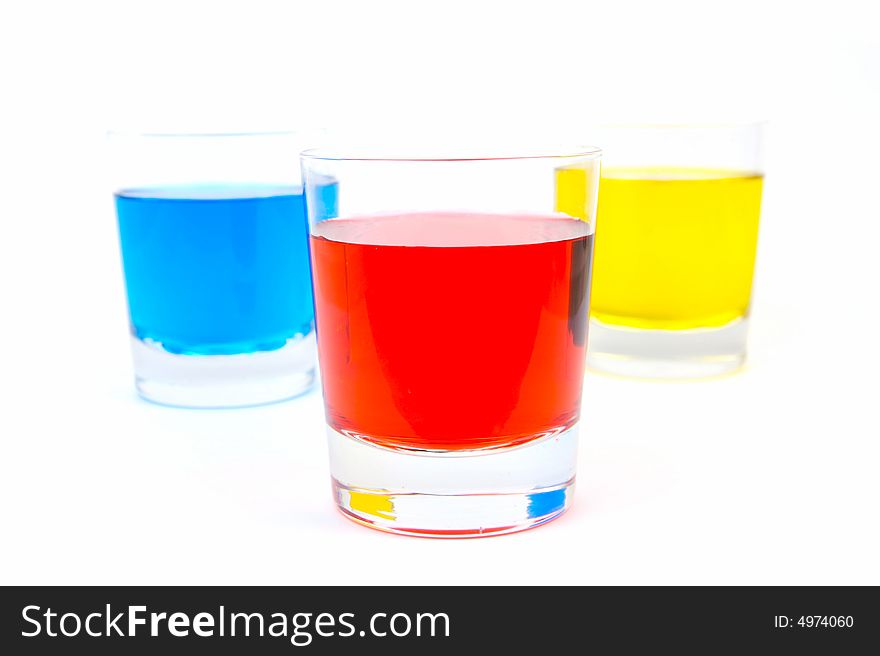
column 675, row 247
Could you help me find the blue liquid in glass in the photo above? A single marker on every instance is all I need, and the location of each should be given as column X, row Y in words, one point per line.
column 216, row 270
column 545, row 503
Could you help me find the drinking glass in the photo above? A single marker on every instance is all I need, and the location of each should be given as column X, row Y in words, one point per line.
column 675, row 253
column 451, row 300
column 214, row 248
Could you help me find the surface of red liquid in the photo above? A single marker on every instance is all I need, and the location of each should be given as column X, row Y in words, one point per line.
column 452, row 331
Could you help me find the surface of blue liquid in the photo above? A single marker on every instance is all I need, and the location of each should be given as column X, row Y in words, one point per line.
column 216, row 270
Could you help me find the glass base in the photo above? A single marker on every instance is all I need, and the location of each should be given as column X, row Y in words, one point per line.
column 224, row 381
column 454, row 494
column 670, row 354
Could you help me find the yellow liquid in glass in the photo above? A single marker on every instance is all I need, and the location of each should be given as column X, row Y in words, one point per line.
column 675, row 247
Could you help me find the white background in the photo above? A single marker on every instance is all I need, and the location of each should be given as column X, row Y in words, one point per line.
column 767, row 477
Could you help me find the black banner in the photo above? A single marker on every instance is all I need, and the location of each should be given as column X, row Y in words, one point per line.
column 398, row 620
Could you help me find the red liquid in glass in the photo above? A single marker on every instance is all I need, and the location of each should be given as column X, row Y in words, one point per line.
column 452, row 331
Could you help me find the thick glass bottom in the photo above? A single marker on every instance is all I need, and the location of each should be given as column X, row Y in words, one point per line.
column 454, row 494
column 667, row 354
column 224, row 381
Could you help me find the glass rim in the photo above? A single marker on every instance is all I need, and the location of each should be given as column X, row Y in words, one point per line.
column 376, row 155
